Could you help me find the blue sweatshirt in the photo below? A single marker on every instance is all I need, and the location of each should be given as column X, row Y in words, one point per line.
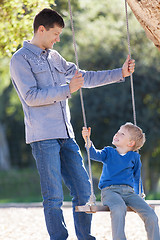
column 118, row 169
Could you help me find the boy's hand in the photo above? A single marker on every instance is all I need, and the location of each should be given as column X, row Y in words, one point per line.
column 128, row 67
column 86, row 133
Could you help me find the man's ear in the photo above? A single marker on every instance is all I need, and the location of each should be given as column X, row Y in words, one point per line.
column 131, row 143
column 41, row 29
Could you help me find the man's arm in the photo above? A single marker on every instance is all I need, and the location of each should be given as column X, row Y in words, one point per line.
column 101, row 78
column 95, row 78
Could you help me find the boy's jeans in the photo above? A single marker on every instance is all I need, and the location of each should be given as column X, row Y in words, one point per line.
column 57, row 159
column 117, row 197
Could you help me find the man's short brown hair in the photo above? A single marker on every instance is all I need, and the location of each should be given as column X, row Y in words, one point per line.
column 48, row 18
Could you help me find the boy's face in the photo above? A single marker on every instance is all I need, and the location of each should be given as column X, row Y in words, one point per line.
column 49, row 37
column 122, row 138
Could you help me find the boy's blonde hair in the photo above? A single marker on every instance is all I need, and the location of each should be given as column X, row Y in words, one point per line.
column 136, row 134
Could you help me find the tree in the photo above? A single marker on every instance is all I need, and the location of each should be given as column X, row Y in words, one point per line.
column 147, row 13
column 4, row 151
column 16, row 22
column 17, row 19
column 4, row 148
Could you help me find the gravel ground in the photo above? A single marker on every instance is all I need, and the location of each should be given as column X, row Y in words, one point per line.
column 28, row 224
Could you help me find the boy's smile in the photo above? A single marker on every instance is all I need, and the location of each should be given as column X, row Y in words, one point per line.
column 122, row 140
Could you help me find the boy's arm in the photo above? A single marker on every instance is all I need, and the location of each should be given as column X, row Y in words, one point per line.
column 97, row 155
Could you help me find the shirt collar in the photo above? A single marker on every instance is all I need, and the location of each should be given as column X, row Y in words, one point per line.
column 36, row 50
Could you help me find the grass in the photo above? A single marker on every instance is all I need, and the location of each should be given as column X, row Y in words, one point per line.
column 153, row 196
column 23, row 186
column 19, row 186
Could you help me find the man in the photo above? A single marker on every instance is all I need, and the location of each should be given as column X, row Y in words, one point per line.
column 44, row 81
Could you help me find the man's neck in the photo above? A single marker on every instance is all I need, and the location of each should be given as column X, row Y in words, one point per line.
column 35, row 42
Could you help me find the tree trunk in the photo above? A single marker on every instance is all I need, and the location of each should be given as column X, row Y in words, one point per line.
column 145, row 173
column 147, row 13
column 154, row 176
column 4, row 150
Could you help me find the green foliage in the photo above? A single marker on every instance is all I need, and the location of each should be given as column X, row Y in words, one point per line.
column 17, row 19
column 16, row 22
column 101, row 39
column 4, row 74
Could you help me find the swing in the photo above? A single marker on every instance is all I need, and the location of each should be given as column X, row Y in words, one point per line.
column 91, row 206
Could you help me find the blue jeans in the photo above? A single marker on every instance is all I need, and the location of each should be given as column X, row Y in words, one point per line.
column 117, row 197
column 57, row 159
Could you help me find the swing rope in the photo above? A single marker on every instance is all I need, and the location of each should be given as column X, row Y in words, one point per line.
column 132, row 88
column 92, row 199
column 131, row 76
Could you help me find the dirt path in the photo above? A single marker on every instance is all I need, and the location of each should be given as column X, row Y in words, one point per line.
column 29, row 224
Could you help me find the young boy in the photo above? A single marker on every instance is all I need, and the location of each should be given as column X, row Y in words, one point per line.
column 119, row 181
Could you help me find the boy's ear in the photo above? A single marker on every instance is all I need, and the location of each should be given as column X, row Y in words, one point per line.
column 131, row 143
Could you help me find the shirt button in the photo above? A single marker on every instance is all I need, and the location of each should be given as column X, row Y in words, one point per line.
column 54, row 101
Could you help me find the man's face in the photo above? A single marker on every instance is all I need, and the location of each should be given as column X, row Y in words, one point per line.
column 122, row 138
column 50, row 37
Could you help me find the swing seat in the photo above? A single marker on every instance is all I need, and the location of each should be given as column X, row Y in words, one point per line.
column 100, row 208
column 95, row 208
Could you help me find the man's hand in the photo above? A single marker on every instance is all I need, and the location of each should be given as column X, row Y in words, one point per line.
column 86, row 133
column 76, row 82
column 128, row 67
